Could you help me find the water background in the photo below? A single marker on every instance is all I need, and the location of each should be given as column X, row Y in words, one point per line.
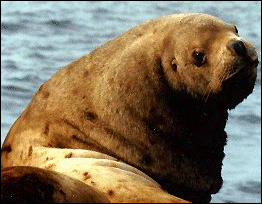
column 37, row 38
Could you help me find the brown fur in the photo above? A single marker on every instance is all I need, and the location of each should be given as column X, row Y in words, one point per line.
column 144, row 99
column 36, row 185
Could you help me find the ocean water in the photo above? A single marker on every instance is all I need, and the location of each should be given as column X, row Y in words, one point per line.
column 37, row 38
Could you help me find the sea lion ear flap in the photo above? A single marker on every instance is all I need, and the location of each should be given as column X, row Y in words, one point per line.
column 174, row 64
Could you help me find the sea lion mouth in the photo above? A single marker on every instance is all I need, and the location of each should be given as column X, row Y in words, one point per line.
column 236, row 82
column 246, row 59
column 240, row 83
column 245, row 65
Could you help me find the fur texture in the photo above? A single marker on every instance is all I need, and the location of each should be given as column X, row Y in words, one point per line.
column 155, row 97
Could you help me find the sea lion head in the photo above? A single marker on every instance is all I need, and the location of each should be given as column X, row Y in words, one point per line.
column 207, row 59
column 181, row 77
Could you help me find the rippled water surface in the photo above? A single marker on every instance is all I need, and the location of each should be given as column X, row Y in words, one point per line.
column 37, row 38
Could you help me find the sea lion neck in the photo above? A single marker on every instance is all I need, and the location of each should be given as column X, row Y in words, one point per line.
column 187, row 120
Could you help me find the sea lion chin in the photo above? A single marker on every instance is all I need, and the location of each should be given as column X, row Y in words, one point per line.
column 155, row 98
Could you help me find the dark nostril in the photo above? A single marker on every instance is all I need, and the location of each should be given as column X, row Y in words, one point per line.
column 239, row 47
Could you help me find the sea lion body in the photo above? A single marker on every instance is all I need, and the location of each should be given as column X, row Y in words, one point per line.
column 155, row 98
column 24, row 184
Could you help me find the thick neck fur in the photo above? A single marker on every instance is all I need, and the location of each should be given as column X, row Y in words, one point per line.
column 184, row 145
column 194, row 146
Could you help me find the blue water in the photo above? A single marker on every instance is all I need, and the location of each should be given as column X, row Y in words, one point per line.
column 37, row 38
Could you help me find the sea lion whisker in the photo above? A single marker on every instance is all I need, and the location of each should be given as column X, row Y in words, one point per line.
column 206, row 95
column 234, row 73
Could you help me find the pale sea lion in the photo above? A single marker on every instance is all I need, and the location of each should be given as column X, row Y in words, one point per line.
column 151, row 105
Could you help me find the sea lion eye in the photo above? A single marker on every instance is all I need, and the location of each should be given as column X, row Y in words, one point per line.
column 199, row 58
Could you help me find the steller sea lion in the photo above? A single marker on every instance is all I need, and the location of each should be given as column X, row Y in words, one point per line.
column 142, row 117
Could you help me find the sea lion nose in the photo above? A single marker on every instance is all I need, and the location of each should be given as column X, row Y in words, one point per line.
column 238, row 47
